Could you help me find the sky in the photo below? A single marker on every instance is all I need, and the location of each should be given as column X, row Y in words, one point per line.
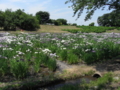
column 56, row 8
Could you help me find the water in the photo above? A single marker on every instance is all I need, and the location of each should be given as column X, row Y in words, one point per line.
column 56, row 85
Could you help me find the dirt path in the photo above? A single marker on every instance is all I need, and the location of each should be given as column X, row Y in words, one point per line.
column 62, row 65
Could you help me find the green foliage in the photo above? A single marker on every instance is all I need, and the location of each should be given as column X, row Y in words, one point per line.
column 43, row 17
column 19, row 68
column 2, row 18
column 74, row 24
column 46, row 61
column 62, row 21
column 72, row 58
column 51, row 21
column 79, row 6
column 88, row 29
column 51, row 64
column 4, row 68
column 37, row 62
column 118, row 88
column 98, row 84
column 57, row 23
column 110, row 19
column 10, row 20
column 63, row 55
column 91, row 24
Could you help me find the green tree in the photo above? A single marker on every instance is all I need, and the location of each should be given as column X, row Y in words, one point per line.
column 9, row 23
column 57, row 23
column 19, row 18
column 52, row 21
column 42, row 16
column 26, row 21
column 110, row 19
column 74, row 24
column 62, row 21
column 92, row 24
column 91, row 6
column 30, row 23
column 2, row 18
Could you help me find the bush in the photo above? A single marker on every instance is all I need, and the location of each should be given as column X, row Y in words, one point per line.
column 91, row 24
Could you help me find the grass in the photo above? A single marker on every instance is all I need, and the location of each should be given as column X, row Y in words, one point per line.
column 77, row 71
column 115, row 31
column 48, row 29
column 56, row 29
column 98, row 84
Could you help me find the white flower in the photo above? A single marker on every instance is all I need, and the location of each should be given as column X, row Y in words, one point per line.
column 62, row 41
column 4, row 49
column 28, row 41
column 87, row 50
column 14, row 57
column 46, row 51
column 30, row 45
column 19, row 52
column 53, row 55
column 53, row 39
column 19, row 43
column 64, row 48
column 28, row 50
column 10, row 49
column 36, row 52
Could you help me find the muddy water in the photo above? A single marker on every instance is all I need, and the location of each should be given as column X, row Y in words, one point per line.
column 56, row 85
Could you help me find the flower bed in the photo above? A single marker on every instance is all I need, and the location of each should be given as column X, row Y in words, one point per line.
column 25, row 54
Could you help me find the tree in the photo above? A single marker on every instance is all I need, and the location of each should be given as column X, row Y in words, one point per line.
column 19, row 17
column 2, row 18
column 110, row 19
column 27, row 22
column 91, row 6
column 57, row 23
column 91, row 24
column 74, row 24
column 9, row 20
column 9, row 23
column 51, row 21
column 62, row 21
column 42, row 16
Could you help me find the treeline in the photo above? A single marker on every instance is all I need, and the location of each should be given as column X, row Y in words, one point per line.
column 15, row 20
column 44, row 18
column 11, row 20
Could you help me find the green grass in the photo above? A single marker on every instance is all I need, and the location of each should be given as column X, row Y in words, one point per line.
column 98, row 84
column 89, row 29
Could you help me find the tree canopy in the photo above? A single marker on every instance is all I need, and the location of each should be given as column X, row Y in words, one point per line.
column 92, row 24
column 110, row 19
column 42, row 16
column 91, row 6
column 62, row 21
column 9, row 20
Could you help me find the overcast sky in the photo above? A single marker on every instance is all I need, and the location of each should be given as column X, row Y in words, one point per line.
column 56, row 8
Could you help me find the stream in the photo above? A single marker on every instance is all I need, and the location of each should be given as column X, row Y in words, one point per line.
column 54, row 86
